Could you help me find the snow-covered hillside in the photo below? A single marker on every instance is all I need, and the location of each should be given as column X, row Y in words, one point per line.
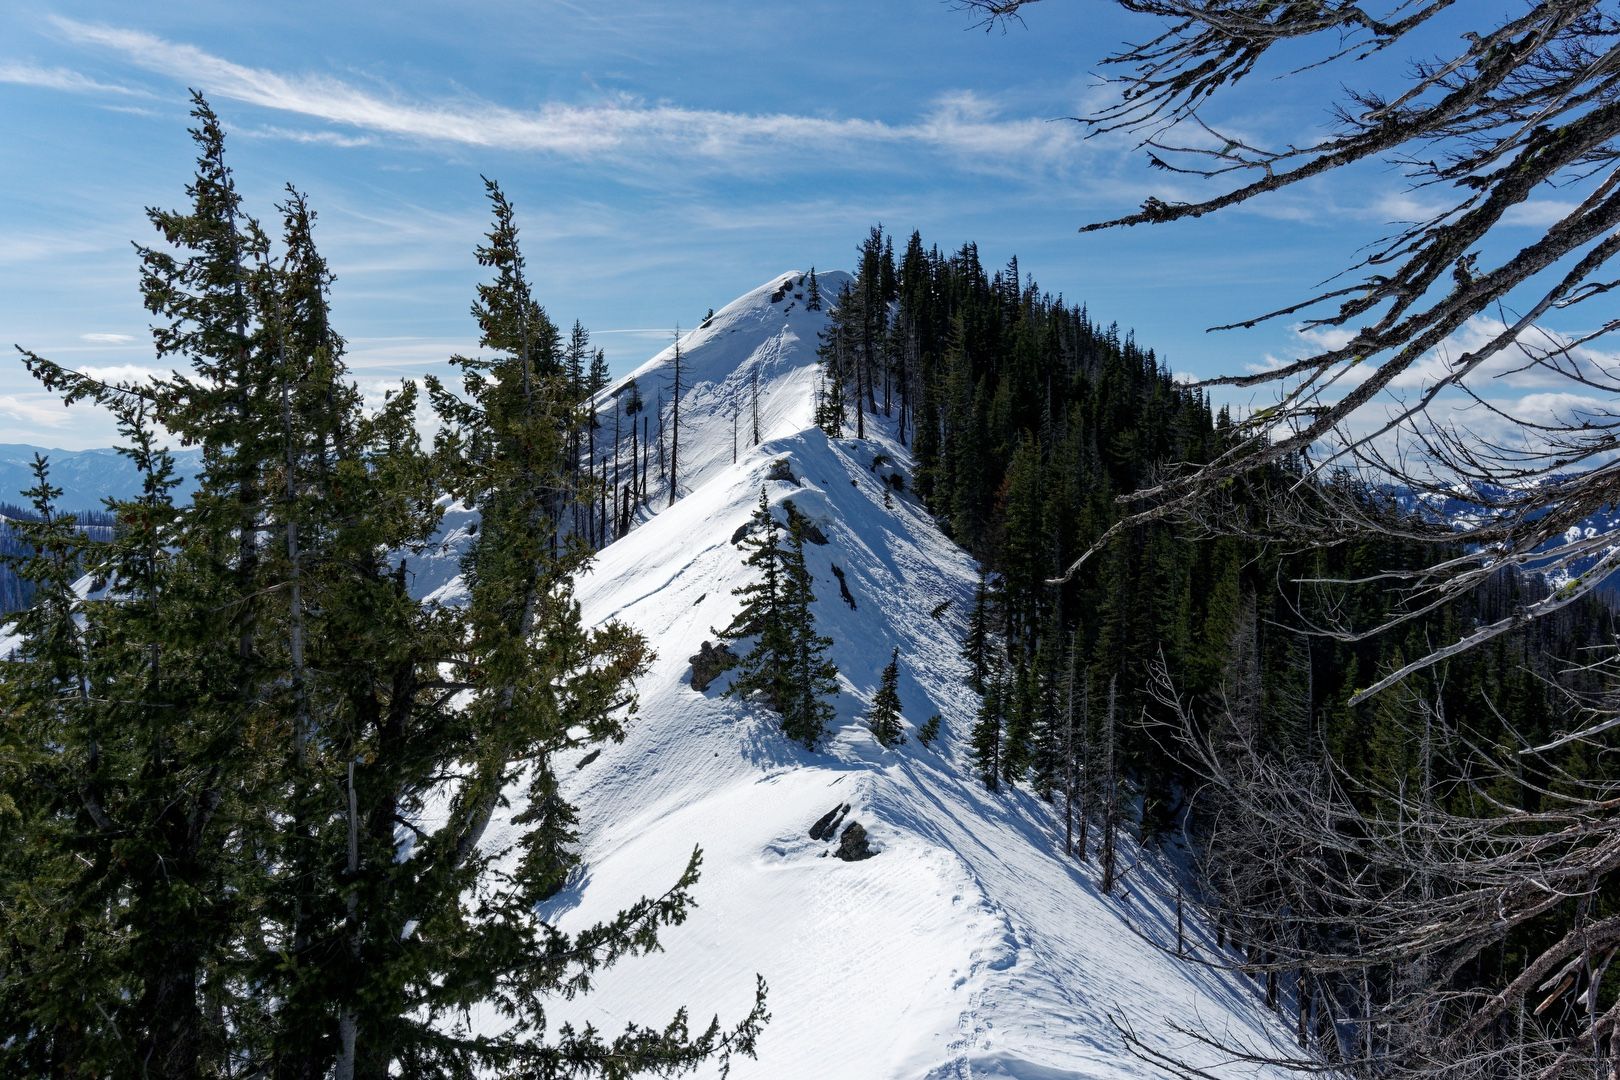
column 969, row 946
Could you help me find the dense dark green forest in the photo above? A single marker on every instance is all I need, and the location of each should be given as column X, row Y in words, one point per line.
column 1108, row 692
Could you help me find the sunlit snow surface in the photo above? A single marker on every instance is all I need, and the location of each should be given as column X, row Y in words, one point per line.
column 970, row 946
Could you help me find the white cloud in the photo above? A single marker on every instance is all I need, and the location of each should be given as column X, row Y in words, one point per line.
column 1512, row 367
column 20, row 407
column 63, row 79
column 1508, row 402
column 323, row 138
column 107, row 339
column 1403, row 207
column 405, row 355
column 1324, row 338
column 19, row 247
column 962, row 124
column 1538, row 213
column 121, row 373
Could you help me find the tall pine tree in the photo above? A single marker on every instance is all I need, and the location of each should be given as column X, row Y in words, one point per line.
column 884, row 717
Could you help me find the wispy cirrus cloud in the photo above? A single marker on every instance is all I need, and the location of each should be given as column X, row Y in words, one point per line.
column 323, row 138
column 1538, row 213
column 38, row 409
column 63, row 79
column 963, row 125
column 23, row 247
column 122, row 373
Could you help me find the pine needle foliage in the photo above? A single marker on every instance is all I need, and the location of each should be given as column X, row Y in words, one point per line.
column 787, row 664
column 249, row 777
column 884, row 719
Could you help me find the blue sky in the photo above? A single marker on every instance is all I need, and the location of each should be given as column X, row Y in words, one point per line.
column 663, row 157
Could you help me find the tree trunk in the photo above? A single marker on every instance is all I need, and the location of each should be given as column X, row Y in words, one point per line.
column 348, row 1027
column 675, row 424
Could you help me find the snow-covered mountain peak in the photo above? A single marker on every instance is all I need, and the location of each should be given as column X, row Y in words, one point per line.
column 759, row 351
column 970, row 945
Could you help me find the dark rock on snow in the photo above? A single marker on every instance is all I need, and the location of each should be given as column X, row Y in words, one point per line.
column 709, row 663
column 843, row 586
column 807, row 528
column 852, row 846
column 826, row 826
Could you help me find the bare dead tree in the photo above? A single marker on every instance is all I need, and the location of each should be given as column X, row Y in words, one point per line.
column 675, row 423
column 1381, row 903
column 1069, row 752
column 1109, row 784
column 1523, row 103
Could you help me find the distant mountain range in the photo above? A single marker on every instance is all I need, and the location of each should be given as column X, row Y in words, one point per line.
column 86, row 477
column 1466, row 507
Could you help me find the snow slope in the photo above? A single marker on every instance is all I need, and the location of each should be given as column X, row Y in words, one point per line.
column 969, row 946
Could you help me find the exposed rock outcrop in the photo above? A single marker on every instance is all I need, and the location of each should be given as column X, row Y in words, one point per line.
column 826, row 826
column 843, row 586
column 807, row 528
column 710, row 663
column 853, row 845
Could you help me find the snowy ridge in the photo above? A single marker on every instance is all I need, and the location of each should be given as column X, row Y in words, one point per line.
column 765, row 338
column 970, row 946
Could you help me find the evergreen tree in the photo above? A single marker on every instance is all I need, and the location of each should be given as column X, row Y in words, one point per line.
column 884, row 719
column 929, row 731
column 976, row 648
column 1015, row 744
column 576, row 357
column 838, row 356
column 812, row 301
column 59, row 972
column 1025, row 545
column 1047, row 743
column 768, row 667
column 1108, row 789
column 219, row 754
column 814, row 677
column 597, row 378
column 986, row 734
